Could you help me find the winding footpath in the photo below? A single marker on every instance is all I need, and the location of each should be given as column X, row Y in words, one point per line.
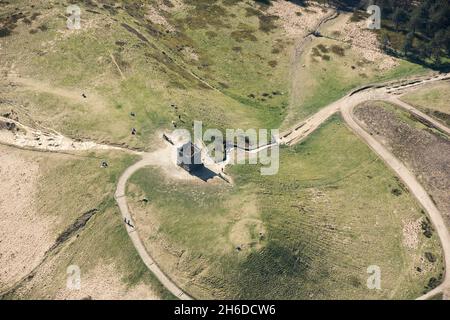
column 120, row 196
column 413, row 185
column 299, row 133
column 389, row 94
column 385, row 92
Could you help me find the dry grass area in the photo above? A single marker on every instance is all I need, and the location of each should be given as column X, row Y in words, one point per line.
column 42, row 195
column 155, row 17
column 24, row 234
column 296, row 20
column 363, row 40
column 423, row 150
column 346, row 57
column 103, row 283
column 432, row 99
column 309, row 232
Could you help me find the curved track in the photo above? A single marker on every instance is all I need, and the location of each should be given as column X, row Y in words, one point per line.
column 386, row 92
column 147, row 160
column 300, row 132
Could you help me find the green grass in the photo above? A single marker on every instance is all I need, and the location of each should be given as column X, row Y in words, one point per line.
column 317, row 214
column 67, row 179
column 68, row 187
column 156, row 74
column 433, row 100
column 240, row 56
column 326, row 80
column 253, row 90
column 322, row 217
column 406, row 117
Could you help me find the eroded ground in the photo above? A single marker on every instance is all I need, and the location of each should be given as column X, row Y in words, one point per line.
column 423, row 150
column 432, row 99
column 56, row 212
column 309, row 232
column 24, row 234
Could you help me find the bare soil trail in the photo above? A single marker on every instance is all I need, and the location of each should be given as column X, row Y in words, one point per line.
column 148, row 159
column 28, row 138
column 299, row 47
column 24, row 137
column 436, row 124
column 297, row 134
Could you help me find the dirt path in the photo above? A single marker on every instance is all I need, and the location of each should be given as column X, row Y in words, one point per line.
column 389, row 93
column 413, row 185
column 420, row 114
column 147, row 160
column 297, row 134
column 386, row 92
column 25, row 137
column 299, row 47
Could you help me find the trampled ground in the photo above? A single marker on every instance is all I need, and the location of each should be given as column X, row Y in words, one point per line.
column 309, row 232
column 55, row 191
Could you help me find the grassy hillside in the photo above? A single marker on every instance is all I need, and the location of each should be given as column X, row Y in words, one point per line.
column 221, row 62
column 423, row 149
column 67, row 187
column 433, row 100
column 309, row 232
column 334, row 64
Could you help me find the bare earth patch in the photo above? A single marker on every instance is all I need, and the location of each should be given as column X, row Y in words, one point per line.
column 103, row 283
column 24, row 235
column 424, row 152
column 247, row 234
column 364, row 42
column 171, row 5
column 155, row 17
column 190, row 53
column 411, row 231
column 297, row 21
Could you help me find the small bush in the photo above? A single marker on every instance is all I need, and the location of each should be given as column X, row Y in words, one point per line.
column 251, row 12
column 433, row 283
column 43, row 27
column 316, row 52
column 338, row 50
column 267, row 23
column 358, row 16
column 427, row 229
column 396, row 192
column 322, row 48
column 242, row 35
column 430, row 257
column 211, row 34
column 4, row 32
